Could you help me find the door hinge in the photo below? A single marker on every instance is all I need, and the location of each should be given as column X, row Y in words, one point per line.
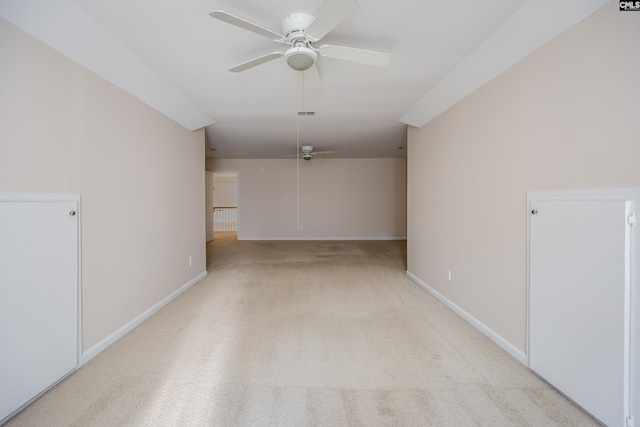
column 631, row 218
column 629, row 421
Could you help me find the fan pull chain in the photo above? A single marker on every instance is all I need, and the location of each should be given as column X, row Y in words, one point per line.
column 298, row 170
column 301, row 101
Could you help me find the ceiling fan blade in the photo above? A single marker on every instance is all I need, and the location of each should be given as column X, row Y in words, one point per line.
column 290, row 155
column 312, row 80
column 323, row 152
column 257, row 61
column 330, row 17
column 250, row 26
column 362, row 56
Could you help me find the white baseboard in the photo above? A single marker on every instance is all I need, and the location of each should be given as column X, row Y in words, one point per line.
column 102, row 345
column 518, row 354
column 321, row 238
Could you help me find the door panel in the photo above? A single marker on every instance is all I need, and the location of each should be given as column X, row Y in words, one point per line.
column 38, row 298
column 579, row 301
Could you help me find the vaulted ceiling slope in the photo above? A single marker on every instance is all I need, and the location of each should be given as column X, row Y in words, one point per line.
column 173, row 56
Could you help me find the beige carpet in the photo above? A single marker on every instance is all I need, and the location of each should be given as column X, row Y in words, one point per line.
column 303, row 334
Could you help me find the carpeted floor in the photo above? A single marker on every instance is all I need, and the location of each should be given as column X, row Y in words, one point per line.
column 303, row 334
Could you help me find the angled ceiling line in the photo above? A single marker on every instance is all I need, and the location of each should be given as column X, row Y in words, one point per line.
column 87, row 42
column 528, row 29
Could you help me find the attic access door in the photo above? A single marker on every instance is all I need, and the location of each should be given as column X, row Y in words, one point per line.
column 579, row 301
column 39, row 337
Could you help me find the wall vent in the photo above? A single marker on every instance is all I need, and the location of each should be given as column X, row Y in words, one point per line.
column 306, row 113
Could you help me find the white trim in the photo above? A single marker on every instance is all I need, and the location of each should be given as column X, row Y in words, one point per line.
column 518, row 354
column 322, row 238
column 102, row 345
column 79, row 260
column 39, row 197
column 622, row 193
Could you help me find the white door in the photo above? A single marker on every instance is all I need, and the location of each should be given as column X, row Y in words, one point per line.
column 38, row 298
column 579, row 302
column 208, row 200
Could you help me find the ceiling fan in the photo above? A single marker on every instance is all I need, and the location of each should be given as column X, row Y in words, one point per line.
column 301, row 31
column 307, row 152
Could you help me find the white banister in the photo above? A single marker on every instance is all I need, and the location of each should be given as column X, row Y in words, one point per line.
column 225, row 219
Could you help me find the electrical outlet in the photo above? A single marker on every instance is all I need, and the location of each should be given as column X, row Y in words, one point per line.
column 448, row 274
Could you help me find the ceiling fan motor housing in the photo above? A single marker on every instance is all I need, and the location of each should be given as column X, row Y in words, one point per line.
column 307, row 152
column 294, row 26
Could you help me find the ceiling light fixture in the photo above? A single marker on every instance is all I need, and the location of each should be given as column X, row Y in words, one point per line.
column 300, row 58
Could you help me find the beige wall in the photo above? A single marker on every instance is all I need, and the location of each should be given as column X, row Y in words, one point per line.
column 566, row 117
column 140, row 176
column 225, row 191
column 339, row 198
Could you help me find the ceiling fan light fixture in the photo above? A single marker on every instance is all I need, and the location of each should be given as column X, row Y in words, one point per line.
column 300, row 58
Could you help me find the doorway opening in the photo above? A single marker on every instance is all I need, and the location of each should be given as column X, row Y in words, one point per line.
column 225, row 205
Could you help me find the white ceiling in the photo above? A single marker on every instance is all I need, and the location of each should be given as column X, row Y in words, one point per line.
column 173, row 56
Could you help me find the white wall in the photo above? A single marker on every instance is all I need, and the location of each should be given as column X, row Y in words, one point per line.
column 140, row 176
column 339, row 198
column 563, row 118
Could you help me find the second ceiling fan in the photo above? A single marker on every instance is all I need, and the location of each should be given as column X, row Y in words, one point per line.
column 301, row 31
column 307, row 153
